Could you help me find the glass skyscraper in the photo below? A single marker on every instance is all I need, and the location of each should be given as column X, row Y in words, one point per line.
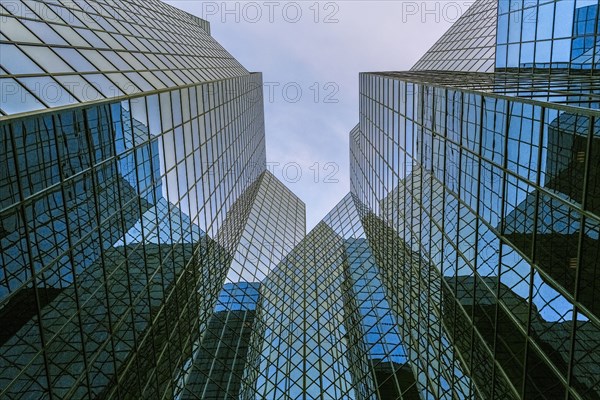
column 133, row 195
column 147, row 253
column 481, row 164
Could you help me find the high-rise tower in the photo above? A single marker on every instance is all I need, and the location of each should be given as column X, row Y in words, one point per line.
column 133, row 192
column 483, row 161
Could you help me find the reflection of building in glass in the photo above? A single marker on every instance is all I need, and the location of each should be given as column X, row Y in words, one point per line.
column 585, row 48
column 147, row 253
column 558, row 231
column 558, row 35
column 218, row 367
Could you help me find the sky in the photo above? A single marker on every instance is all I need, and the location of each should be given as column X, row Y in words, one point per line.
column 310, row 54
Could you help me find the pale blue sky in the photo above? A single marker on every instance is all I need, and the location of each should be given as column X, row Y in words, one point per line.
column 326, row 47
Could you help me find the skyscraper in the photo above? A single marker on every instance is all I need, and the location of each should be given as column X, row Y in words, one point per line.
column 133, row 193
column 487, row 173
column 146, row 252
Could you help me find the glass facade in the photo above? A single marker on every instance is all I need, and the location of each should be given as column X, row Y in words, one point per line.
column 59, row 53
column 133, row 194
column 273, row 223
column 489, row 178
column 147, row 253
column 548, row 35
column 469, row 44
column 106, row 211
column 218, row 367
column 496, row 193
column 324, row 328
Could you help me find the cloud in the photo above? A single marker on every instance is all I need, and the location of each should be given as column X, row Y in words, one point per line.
column 312, row 53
